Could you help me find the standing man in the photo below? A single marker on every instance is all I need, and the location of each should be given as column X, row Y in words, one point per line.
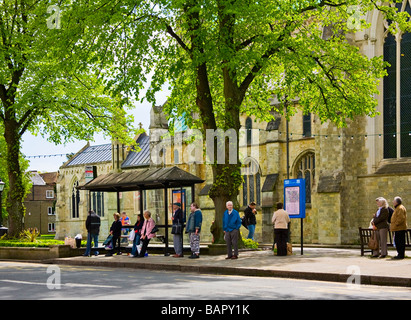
column 399, row 227
column 93, row 229
column 280, row 221
column 250, row 219
column 231, row 228
column 193, row 228
column 177, row 218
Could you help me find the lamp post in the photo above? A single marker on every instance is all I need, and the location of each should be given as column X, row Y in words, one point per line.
column 2, row 184
column 3, row 230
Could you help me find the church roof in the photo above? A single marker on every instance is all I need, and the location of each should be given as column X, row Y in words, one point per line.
column 103, row 153
column 140, row 158
column 92, row 154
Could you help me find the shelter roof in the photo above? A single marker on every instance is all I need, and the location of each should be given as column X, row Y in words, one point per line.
column 151, row 178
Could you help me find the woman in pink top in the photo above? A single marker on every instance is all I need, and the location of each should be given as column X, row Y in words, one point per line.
column 146, row 234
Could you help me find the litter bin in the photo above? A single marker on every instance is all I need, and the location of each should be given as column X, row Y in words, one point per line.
column 3, row 231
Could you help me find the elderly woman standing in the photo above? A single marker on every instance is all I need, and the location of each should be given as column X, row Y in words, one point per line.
column 146, row 234
column 380, row 225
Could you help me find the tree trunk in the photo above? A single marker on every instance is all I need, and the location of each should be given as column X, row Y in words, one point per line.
column 15, row 198
column 226, row 182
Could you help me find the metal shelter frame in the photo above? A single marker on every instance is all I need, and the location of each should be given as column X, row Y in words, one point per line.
column 147, row 179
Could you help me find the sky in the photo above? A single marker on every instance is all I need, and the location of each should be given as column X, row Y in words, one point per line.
column 44, row 151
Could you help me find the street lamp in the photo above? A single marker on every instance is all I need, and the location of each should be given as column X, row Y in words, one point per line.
column 2, row 184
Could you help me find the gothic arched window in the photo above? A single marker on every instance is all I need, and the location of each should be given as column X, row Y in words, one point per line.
column 305, row 169
column 252, row 182
column 97, row 202
column 75, row 201
column 248, row 128
column 397, row 91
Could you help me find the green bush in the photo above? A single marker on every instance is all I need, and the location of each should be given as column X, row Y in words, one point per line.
column 249, row 243
column 29, row 235
column 37, row 243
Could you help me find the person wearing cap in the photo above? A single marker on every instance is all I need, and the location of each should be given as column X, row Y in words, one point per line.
column 177, row 218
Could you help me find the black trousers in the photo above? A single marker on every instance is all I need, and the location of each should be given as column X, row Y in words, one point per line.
column 280, row 238
column 399, row 238
column 144, row 247
column 116, row 240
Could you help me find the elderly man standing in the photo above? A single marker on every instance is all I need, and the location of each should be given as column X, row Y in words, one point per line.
column 399, row 227
column 231, row 226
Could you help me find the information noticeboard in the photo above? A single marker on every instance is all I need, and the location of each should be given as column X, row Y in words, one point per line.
column 294, row 197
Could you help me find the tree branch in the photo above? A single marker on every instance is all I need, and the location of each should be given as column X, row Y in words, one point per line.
column 322, row 3
column 171, row 32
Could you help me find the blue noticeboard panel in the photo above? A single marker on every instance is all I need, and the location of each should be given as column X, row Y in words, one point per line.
column 294, row 197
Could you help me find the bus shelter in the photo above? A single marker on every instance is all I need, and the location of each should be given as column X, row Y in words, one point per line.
column 146, row 179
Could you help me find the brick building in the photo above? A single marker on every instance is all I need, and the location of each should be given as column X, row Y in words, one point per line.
column 40, row 203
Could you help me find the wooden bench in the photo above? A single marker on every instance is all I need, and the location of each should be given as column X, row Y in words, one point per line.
column 365, row 235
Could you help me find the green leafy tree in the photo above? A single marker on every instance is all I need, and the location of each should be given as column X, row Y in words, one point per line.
column 223, row 58
column 45, row 90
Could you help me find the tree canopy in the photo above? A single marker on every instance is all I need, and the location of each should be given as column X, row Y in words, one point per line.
column 220, row 58
column 45, row 89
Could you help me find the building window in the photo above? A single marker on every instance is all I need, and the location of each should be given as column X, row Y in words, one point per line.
column 307, row 125
column 252, row 182
column 51, row 227
column 248, row 128
column 176, row 157
column 97, row 203
column 75, row 201
column 397, row 91
column 51, row 211
column 305, row 169
column 50, row 194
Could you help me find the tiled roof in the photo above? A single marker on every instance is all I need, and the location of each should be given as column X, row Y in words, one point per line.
column 140, row 158
column 92, row 154
column 36, row 179
column 102, row 153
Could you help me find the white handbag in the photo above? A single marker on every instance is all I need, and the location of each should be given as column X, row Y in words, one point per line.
column 132, row 235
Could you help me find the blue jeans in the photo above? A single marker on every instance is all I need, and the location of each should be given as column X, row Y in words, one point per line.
column 251, row 231
column 136, row 242
column 90, row 237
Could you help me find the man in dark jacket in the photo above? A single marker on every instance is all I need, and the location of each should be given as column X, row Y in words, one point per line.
column 178, row 218
column 93, row 229
column 249, row 215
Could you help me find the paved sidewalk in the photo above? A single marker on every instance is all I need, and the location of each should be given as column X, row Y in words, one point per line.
column 325, row 264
